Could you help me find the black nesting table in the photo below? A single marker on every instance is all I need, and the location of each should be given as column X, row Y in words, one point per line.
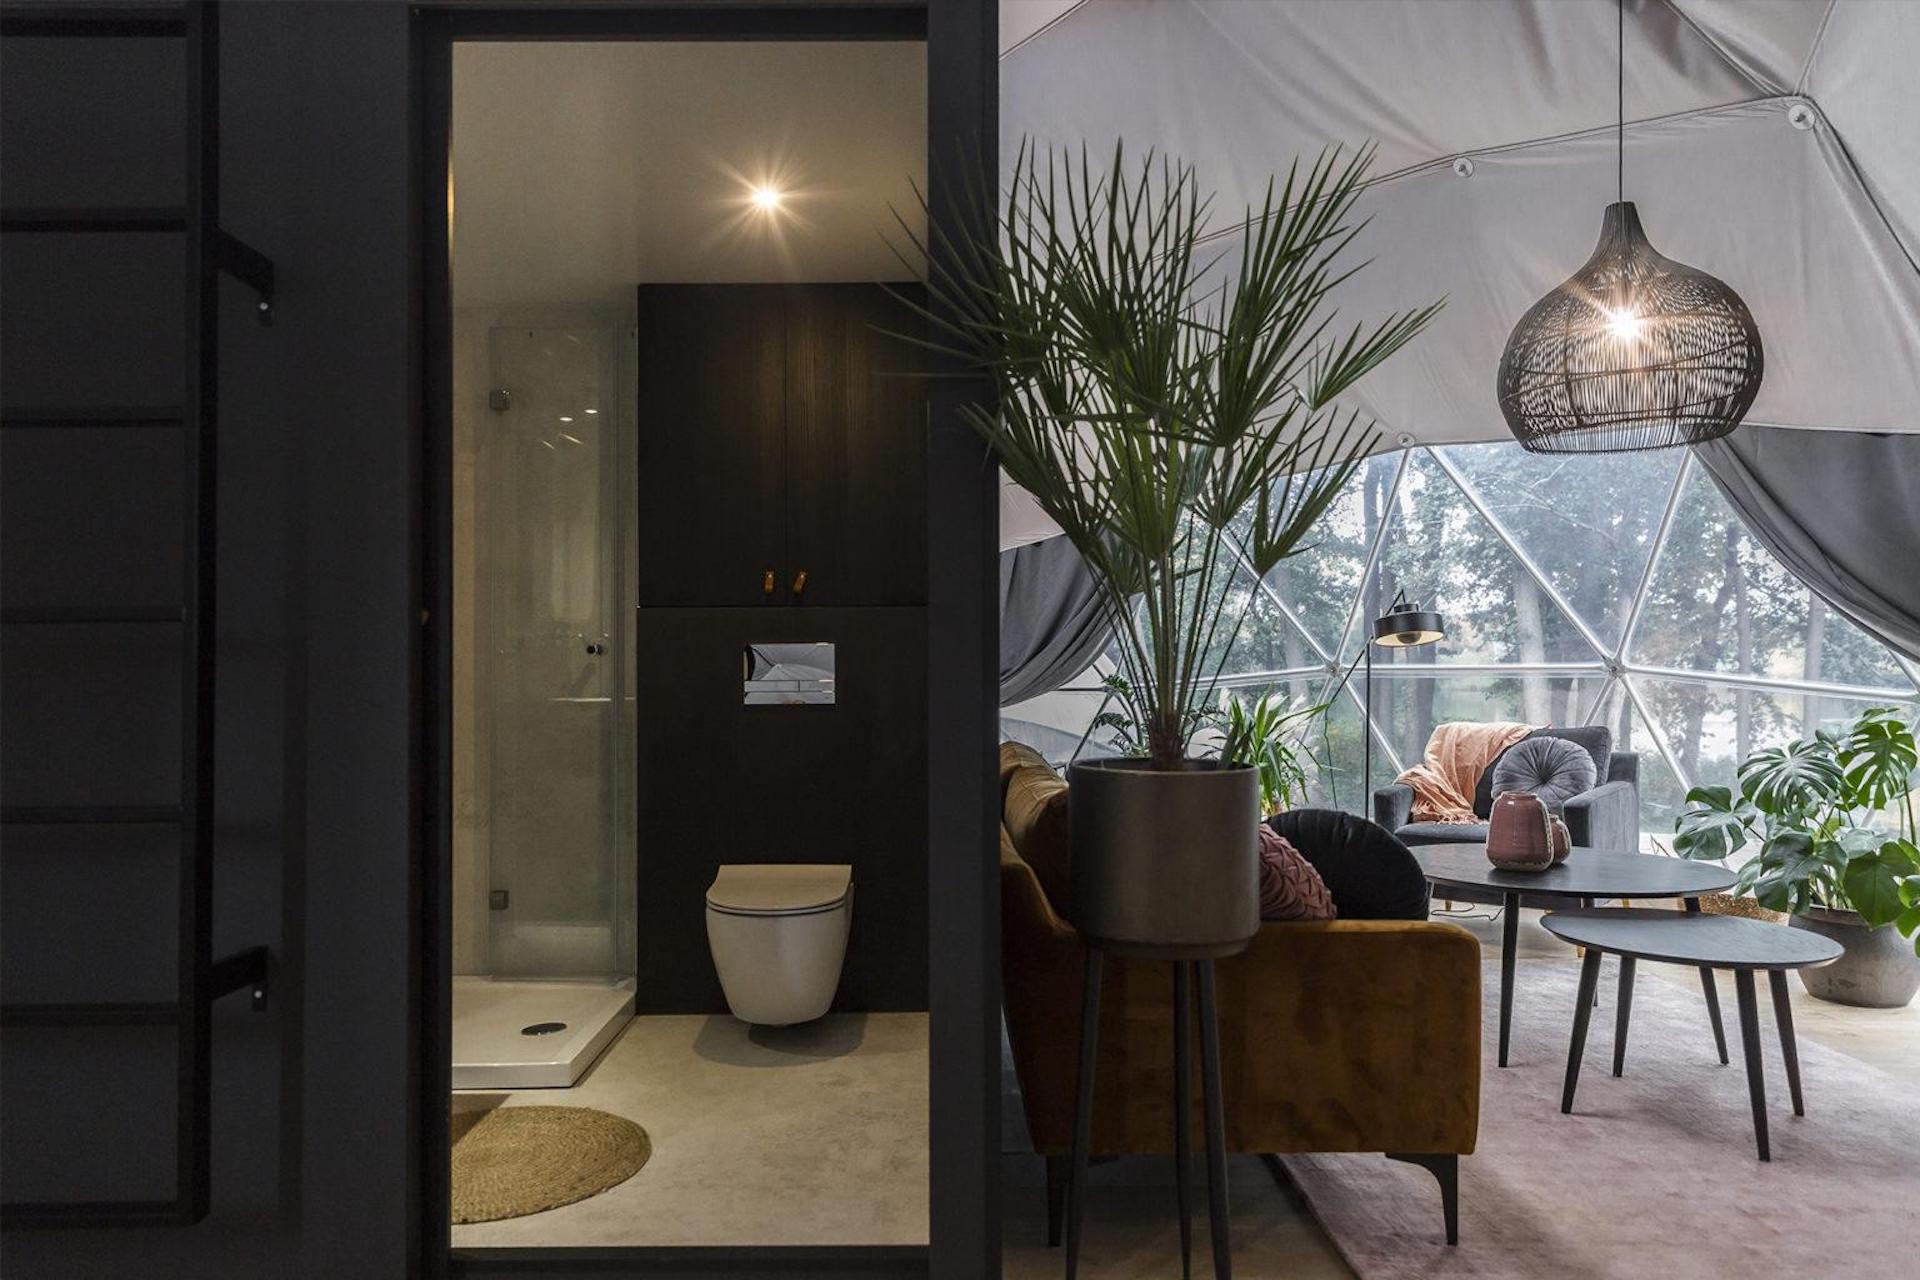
column 1587, row 874
column 1708, row 942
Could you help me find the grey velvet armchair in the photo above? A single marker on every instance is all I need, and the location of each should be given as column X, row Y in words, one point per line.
column 1606, row 817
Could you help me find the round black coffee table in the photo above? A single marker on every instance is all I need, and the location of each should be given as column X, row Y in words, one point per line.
column 1587, row 874
column 1709, row 943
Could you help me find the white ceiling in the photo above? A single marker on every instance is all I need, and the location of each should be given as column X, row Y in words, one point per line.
column 583, row 169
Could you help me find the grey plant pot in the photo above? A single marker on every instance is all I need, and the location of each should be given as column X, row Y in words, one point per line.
column 1165, row 862
column 1878, row 971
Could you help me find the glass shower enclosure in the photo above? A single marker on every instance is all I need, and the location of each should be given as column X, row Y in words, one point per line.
column 553, row 707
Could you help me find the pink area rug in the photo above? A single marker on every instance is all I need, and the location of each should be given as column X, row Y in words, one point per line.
column 1654, row 1174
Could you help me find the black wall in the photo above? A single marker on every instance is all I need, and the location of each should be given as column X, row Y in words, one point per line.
column 318, row 1105
column 782, row 431
column 721, row 782
column 312, row 1124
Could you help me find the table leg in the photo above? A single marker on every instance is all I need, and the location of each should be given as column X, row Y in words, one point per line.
column 1783, row 1018
column 1083, row 1108
column 1217, row 1221
column 1750, row 1044
column 1582, row 1013
column 1712, row 992
column 1509, row 942
column 1621, row 1014
column 1586, row 904
column 1182, row 1114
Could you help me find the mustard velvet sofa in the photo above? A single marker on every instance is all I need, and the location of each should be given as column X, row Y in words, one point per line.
column 1346, row 1035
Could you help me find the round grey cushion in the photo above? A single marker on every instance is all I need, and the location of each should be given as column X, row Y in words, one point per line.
column 1554, row 769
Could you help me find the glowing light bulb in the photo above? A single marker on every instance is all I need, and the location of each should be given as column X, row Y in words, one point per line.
column 1623, row 323
column 766, row 199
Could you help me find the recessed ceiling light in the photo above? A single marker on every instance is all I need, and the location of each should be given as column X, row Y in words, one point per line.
column 589, row 411
column 574, row 439
column 766, row 199
column 565, row 418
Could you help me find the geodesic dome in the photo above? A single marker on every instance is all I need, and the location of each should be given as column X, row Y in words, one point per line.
column 1773, row 144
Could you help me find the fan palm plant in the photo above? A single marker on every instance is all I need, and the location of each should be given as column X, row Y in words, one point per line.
column 1159, row 381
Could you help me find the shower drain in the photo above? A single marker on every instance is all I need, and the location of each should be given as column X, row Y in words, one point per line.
column 543, row 1028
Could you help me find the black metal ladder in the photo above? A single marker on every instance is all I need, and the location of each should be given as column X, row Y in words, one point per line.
column 207, row 250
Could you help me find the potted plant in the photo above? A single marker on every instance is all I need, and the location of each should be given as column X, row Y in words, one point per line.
column 1810, row 808
column 1159, row 381
column 1266, row 732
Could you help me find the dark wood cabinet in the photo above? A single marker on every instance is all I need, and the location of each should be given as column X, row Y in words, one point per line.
column 782, row 431
column 712, row 453
column 856, row 447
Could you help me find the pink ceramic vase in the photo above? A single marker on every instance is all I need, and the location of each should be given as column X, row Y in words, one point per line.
column 1562, row 840
column 1520, row 832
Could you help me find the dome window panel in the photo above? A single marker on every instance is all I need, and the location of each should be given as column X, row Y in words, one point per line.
column 1588, row 524
column 1446, row 556
column 1718, row 601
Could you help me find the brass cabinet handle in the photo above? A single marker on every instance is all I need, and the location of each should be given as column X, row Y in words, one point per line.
column 766, row 584
column 800, row 583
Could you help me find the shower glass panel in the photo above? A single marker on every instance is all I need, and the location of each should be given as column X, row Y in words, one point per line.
column 560, row 851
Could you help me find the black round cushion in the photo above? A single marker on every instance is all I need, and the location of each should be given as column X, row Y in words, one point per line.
column 1552, row 768
column 1369, row 873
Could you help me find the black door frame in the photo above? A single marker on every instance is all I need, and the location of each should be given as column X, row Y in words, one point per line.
column 963, row 628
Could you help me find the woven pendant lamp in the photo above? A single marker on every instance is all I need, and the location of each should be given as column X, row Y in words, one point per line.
column 1634, row 351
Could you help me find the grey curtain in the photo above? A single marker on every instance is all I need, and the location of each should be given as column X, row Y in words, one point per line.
column 1051, row 623
column 1841, row 509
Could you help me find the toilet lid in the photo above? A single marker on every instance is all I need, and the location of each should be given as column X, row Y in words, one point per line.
column 779, row 889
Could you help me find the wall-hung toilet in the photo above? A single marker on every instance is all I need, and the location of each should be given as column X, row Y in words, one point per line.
column 778, row 935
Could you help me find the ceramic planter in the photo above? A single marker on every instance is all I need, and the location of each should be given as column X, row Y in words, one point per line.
column 1878, row 971
column 1165, row 861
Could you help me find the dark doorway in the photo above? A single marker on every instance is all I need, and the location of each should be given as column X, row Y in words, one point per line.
column 961, row 640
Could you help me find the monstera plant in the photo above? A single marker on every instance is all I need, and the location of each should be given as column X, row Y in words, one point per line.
column 1831, row 821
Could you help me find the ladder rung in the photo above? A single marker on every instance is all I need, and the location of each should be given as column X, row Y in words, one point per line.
column 93, row 220
column 95, row 416
column 101, row 815
column 95, row 614
column 91, row 1213
column 100, row 21
column 149, row 1014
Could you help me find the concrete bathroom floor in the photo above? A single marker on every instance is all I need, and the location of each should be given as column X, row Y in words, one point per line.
column 761, row 1136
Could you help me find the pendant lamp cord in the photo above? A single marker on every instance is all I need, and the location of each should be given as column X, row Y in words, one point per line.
column 1620, row 101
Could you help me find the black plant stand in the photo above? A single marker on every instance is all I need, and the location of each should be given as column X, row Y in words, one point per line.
column 1188, row 975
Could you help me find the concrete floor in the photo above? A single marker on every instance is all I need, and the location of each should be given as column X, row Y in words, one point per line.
column 1131, row 1233
column 796, row 1136
column 817, row 1135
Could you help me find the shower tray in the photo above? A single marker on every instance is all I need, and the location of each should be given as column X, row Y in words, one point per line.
column 524, row 1034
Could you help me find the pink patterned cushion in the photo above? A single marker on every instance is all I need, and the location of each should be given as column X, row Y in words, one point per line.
column 1290, row 889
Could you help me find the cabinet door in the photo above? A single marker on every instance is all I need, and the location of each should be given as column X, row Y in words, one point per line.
column 711, row 443
column 856, row 446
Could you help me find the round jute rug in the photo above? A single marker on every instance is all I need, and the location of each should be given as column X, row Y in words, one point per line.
column 519, row 1160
